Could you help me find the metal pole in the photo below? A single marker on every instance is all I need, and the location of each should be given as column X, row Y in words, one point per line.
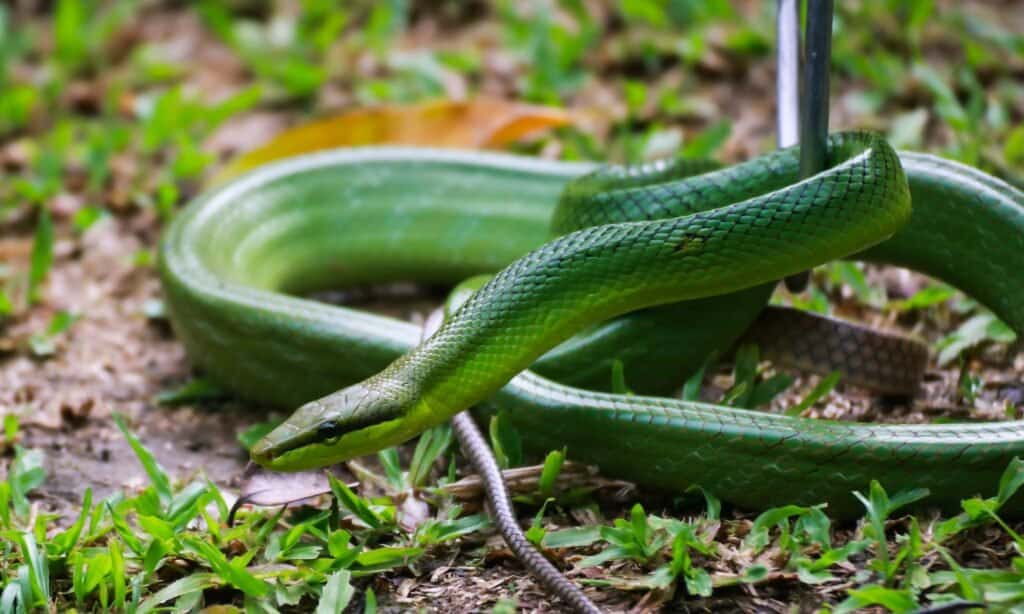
column 787, row 65
column 813, row 120
column 814, row 113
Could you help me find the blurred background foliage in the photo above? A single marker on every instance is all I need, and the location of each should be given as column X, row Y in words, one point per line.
column 97, row 79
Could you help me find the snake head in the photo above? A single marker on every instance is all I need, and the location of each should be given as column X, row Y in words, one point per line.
column 352, row 422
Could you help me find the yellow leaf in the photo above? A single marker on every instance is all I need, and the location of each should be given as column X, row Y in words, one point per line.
column 480, row 123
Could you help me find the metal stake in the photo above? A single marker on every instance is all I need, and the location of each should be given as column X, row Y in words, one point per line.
column 787, row 66
column 813, row 112
column 814, row 120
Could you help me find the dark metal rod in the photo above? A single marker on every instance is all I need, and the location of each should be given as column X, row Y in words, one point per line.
column 787, row 66
column 813, row 120
column 814, row 111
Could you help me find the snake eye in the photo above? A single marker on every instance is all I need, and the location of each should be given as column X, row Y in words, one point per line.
column 328, row 430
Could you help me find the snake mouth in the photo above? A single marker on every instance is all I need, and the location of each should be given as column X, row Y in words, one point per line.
column 266, row 452
column 300, row 454
column 288, row 456
column 291, row 436
column 287, row 440
column 263, row 452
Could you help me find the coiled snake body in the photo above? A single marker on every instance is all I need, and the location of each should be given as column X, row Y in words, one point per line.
column 706, row 247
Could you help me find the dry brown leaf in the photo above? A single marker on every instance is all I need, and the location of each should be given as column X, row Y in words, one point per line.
column 480, row 123
column 267, row 488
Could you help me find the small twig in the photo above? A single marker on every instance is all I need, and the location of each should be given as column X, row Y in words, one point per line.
column 525, row 479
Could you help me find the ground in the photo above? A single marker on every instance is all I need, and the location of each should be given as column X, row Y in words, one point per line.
column 110, row 120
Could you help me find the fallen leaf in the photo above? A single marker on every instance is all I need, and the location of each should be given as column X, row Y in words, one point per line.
column 267, row 488
column 480, row 123
column 521, row 480
column 412, row 512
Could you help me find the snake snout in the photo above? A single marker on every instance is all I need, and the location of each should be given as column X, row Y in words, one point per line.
column 298, row 431
column 336, row 425
column 263, row 452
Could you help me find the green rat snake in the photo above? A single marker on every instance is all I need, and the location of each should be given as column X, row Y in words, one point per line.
column 656, row 266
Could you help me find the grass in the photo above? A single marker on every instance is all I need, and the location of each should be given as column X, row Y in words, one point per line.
column 171, row 544
column 96, row 114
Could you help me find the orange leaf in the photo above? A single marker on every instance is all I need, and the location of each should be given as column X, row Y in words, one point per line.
column 487, row 123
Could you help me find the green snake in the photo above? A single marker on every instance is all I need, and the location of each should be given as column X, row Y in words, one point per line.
column 657, row 266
